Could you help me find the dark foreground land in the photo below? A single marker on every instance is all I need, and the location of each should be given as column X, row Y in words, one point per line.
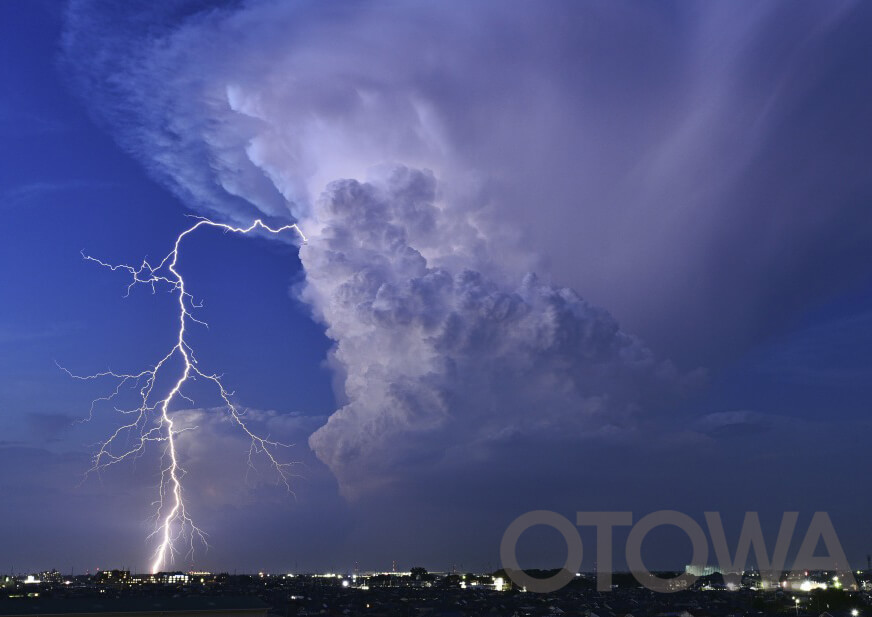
column 413, row 594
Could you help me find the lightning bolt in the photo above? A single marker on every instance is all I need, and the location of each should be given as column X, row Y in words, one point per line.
column 151, row 419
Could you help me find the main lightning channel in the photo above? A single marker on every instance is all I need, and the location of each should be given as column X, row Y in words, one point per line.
column 152, row 417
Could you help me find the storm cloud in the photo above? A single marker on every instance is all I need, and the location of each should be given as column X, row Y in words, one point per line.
column 439, row 361
column 673, row 163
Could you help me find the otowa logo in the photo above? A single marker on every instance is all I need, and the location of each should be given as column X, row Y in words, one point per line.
column 751, row 537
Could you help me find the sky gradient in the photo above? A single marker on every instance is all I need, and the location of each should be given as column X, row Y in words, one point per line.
column 571, row 256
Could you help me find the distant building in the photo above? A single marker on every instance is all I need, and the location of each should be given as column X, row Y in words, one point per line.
column 165, row 578
column 695, row 570
column 112, row 576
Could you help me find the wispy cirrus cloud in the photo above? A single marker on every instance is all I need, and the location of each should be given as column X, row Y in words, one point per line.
column 33, row 191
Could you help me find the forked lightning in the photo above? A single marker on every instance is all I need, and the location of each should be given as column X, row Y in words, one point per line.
column 152, row 420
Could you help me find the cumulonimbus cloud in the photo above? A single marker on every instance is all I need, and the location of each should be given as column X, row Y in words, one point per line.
column 432, row 154
column 438, row 359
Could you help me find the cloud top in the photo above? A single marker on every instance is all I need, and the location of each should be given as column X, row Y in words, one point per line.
column 689, row 167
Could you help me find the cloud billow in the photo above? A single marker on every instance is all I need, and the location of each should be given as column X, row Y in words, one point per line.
column 440, row 361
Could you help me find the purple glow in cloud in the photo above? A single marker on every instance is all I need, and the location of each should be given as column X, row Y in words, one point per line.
column 434, row 154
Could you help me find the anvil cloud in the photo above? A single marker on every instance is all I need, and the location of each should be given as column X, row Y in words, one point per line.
column 667, row 161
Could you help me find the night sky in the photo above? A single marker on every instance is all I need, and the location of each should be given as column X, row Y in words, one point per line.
column 566, row 255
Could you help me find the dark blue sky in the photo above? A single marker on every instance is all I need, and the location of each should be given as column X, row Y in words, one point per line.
column 699, row 174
